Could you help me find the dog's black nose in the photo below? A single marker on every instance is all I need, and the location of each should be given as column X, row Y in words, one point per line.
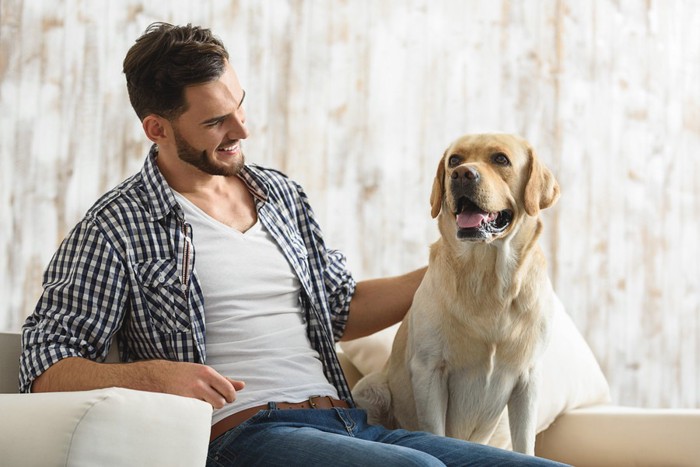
column 467, row 172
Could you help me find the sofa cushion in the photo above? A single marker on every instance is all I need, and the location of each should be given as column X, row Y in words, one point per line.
column 571, row 376
column 111, row 427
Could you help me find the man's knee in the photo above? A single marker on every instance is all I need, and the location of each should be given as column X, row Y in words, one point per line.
column 406, row 457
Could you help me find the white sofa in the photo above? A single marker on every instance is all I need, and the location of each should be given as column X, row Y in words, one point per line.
column 121, row 427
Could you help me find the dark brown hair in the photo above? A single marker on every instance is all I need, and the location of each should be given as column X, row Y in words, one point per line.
column 166, row 59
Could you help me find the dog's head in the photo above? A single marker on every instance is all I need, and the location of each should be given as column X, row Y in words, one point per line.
column 487, row 183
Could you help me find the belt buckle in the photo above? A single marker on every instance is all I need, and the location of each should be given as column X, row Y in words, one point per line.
column 311, row 401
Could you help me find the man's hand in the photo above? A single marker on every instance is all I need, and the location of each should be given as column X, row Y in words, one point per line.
column 183, row 379
column 198, row 381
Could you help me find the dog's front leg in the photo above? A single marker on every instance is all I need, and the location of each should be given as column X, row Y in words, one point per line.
column 522, row 413
column 429, row 383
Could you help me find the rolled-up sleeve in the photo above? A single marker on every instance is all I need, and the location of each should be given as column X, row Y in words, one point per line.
column 341, row 287
column 81, row 306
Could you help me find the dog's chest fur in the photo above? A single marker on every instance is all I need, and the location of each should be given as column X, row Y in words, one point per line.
column 500, row 342
column 485, row 302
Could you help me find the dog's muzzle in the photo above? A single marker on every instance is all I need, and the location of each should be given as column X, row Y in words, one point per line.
column 474, row 223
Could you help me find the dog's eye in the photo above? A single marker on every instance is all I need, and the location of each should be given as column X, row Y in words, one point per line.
column 500, row 159
column 454, row 161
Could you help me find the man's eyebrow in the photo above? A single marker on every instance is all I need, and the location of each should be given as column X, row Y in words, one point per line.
column 220, row 118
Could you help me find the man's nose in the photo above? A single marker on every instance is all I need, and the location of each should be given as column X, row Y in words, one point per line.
column 238, row 129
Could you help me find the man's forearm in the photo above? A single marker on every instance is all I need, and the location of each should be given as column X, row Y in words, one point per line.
column 379, row 303
column 80, row 374
column 180, row 378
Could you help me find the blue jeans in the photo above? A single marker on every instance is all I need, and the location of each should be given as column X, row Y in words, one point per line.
column 342, row 437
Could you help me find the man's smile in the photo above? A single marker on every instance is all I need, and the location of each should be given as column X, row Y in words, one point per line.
column 230, row 150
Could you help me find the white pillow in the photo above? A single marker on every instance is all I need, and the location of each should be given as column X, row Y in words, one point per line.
column 571, row 376
column 113, row 427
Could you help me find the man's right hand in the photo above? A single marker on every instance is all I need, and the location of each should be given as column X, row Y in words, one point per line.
column 198, row 381
column 180, row 378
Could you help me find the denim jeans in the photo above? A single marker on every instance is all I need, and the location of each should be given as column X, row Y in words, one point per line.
column 342, row 437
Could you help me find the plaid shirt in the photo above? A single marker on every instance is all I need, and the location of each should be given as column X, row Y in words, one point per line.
column 127, row 271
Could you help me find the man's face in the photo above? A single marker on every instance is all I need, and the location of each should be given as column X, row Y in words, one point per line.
column 208, row 135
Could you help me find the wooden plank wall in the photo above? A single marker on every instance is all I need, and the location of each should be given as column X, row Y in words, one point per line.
column 358, row 99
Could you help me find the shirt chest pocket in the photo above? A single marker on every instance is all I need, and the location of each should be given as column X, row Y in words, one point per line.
column 161, row 295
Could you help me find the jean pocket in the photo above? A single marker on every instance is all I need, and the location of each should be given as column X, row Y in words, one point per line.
column 224, row 450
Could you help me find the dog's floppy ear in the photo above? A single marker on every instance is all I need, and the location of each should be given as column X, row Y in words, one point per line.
column 542, row 189
column 438, row 189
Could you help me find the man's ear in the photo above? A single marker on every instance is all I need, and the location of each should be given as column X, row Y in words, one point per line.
column 155, row 128
column 438, row 192
column 542, row 189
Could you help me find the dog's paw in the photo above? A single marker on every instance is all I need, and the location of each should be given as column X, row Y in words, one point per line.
column 372, row 394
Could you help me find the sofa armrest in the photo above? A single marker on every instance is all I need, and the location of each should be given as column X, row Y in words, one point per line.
column 623, row 436
column 110, row 427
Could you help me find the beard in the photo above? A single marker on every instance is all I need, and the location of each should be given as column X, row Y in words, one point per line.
column 203, row 161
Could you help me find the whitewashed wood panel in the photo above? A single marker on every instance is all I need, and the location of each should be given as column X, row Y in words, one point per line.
column 358, row 99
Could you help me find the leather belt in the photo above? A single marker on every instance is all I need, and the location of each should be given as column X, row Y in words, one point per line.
column 233, row 420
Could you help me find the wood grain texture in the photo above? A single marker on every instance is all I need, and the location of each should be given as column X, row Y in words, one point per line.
column 358, row 99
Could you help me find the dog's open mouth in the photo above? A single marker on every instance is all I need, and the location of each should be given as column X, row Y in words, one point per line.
column 475, row 223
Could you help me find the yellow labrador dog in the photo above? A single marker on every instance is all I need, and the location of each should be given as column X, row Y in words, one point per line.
column 469, row 346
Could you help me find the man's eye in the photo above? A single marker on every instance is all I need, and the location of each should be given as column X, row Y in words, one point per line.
column 215, row 124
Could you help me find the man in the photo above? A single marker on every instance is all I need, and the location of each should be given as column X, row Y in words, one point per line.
column 250, row 326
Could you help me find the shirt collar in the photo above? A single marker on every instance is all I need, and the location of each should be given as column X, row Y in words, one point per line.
column 161, row 195
column 256, row 184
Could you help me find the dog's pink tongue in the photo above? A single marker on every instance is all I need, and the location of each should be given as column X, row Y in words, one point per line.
column 468, row 220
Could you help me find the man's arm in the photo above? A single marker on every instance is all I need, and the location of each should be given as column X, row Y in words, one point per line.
column 179, row 378
column 379, row 303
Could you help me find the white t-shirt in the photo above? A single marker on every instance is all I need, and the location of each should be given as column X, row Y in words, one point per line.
column 254, row 326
